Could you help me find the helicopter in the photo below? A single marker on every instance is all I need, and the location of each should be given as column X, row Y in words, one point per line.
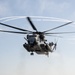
column 35, row 40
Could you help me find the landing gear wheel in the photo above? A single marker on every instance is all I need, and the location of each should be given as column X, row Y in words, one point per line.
column 32, row 53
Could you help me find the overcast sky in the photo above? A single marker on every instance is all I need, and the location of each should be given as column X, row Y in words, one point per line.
column 15, row 60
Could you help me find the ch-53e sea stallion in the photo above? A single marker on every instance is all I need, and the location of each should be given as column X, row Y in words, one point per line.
column 35, row 40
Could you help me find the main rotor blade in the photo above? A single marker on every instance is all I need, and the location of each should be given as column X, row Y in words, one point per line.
column 54, row 36
column 14, row 27
column 60, row 33
column 58, row 27
column 14, row 32
column 31, row 23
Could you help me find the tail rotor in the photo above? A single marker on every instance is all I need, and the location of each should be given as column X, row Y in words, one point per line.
column 55, row 44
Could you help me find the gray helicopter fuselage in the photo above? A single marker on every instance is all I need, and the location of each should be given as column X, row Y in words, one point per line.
column 35, row 44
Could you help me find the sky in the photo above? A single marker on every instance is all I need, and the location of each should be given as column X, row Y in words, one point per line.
column 15, row 60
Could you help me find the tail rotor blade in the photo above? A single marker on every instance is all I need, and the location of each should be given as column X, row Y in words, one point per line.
column 55, row 46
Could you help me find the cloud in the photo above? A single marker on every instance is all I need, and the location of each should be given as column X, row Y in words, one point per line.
column 52, row 6
column 4, row 9
column 37, row 7
column 42, row 7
